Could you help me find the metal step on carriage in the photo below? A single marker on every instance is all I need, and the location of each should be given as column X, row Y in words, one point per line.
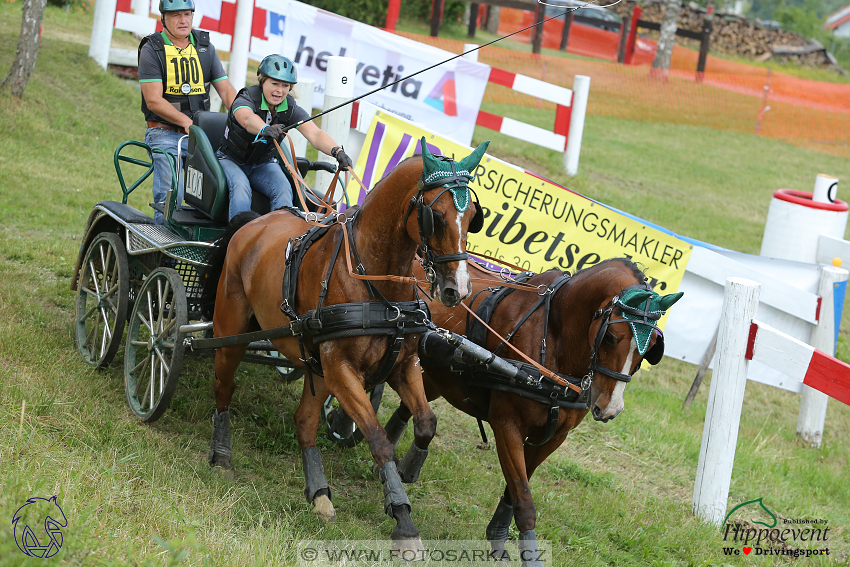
column 148, row 279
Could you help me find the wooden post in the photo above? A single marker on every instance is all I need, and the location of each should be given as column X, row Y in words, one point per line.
column 537, row 37
column 706, row 39
column 473, row 19
column 703, row 368
column 624, row 37
column 565, row 34
column 725, row 400
column 436, row 15
column 633, row 26
column 339, row 87
column 812, row 415
column 392, row 14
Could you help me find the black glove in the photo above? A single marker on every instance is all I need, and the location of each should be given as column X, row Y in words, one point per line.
column 274, row 131
column 343, row 159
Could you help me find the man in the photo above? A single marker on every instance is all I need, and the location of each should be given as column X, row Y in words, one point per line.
column 176, row 67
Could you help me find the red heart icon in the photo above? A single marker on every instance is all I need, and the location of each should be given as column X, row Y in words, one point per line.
column 747, row 550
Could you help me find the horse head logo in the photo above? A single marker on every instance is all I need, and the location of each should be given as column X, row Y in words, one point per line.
column 759, row 506
column 38, row 513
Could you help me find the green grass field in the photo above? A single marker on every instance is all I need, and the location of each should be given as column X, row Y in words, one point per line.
column 615, row 494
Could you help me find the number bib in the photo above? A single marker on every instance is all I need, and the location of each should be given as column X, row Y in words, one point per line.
column 184, row 75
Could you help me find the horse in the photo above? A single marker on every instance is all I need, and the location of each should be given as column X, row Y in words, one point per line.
column 581, row 334
column 256, row 255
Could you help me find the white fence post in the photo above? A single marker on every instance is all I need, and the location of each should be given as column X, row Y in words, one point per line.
column 304, row 88
column 471, row 56
column 725, row 400
column 581, row 90
column 101, row 31
column 813, row 403
column 339, row 88
column 239, row 47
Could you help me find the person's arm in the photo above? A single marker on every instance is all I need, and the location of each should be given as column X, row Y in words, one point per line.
column 152, row 91
column 226, row 91
column 250, row 121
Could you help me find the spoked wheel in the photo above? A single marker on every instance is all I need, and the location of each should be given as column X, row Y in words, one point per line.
column 154, row 353
column 103, row 295
column 341, row 429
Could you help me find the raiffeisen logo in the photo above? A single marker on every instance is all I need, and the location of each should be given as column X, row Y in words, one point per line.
column 371, row 75
column 774, row 537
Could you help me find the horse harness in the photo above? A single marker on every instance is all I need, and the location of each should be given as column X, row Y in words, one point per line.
column 425, row 216
column 541, row 388
column 325, row 323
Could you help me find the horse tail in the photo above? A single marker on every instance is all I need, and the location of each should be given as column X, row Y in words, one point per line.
column 216, row 261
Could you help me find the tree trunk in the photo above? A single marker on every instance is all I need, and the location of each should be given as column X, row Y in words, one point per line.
column 27, row 50
column 493, row 20
column 667, row 35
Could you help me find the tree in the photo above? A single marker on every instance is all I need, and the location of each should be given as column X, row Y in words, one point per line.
column 27, row 50
column 667, row 35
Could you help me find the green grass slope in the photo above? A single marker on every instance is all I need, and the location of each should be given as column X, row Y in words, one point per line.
column 614, row 494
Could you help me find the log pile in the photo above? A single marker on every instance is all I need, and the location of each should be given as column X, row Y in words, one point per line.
column 737, row 35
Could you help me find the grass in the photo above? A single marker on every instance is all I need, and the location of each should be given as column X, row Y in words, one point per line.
column 614, row 494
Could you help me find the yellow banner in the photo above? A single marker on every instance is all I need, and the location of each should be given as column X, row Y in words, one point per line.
column 528, row 221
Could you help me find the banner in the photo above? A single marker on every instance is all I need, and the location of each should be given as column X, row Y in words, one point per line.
column 446, row 98
column 529, row 221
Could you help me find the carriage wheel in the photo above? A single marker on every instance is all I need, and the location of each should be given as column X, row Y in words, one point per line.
column 103, row 295
column 153, row 355
column 341, row 429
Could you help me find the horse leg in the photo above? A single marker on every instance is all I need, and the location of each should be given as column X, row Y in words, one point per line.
column 307, row 418
column 497, row 529
column 408, row 383
column 348, row 390
column 509, row 446
column 397, row 423
column 226, row 361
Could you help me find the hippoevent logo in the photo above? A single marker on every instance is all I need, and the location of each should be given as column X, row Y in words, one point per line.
column 770, row 536
column 37, row 526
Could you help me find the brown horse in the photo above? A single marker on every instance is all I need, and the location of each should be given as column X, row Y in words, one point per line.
column 384, row 236
column 582, row 319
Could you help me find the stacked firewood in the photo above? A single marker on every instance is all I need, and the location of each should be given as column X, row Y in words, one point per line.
column 737, row 35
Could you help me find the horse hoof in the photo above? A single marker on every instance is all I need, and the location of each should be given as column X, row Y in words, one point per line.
column 408, row 549
column 226, row 473
column 324, row 509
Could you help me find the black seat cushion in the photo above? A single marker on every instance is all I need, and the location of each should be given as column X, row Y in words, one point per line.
column 212, row 123
column 126, row 213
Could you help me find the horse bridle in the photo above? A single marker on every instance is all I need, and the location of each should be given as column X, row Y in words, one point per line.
column 648, row 319
column 425, row 218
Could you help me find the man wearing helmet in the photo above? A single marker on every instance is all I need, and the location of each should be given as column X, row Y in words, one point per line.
column 176, row 67
column 265, row 110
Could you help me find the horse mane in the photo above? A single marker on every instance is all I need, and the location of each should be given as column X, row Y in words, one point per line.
column 637, row 272
column 381, row 182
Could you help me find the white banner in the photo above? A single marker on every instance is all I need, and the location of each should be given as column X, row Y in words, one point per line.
column 446, row 98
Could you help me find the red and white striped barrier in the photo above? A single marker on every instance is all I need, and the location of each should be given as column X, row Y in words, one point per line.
column 741, row 339
column 799, row 361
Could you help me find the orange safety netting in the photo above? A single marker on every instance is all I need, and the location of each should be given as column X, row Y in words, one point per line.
column 729, row 96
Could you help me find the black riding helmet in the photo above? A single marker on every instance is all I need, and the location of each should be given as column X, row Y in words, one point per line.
column 174, row 6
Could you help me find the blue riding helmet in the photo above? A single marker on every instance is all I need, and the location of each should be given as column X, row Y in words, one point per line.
column 277, row 67
column 176, row 5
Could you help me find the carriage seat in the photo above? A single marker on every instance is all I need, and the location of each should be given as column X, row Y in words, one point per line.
column 206, row 185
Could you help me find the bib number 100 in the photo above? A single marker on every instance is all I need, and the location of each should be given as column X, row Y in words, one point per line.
column 186, row 69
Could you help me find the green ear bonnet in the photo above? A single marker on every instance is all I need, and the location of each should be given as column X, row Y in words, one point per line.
column 442, row 171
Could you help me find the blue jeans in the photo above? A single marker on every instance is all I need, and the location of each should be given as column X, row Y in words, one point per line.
column 266, row 178
column 165, row 140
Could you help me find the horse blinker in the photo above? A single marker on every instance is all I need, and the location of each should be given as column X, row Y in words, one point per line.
column 478, row 220
column 426, row 220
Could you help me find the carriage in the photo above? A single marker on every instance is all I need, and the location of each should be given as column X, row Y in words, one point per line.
column 132, row 273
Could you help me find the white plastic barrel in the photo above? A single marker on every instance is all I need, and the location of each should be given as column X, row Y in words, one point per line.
column 795, row 222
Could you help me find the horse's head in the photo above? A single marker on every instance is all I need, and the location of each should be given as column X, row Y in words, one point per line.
column 622, row 333
column 445, row 213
